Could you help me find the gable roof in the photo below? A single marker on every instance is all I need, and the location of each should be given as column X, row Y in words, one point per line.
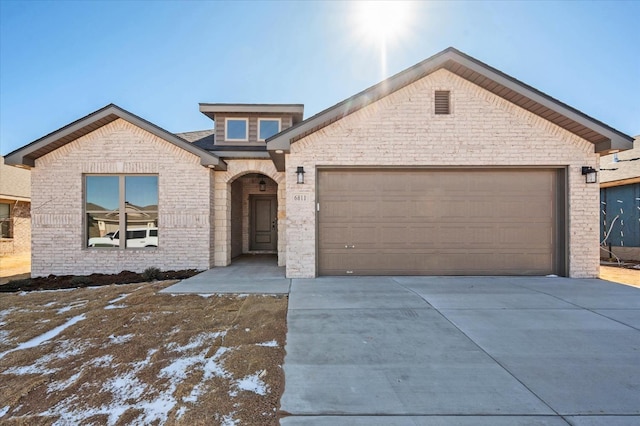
column 604, row 138
column 27, row 155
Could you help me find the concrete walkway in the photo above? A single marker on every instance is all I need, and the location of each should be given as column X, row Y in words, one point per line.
column 462, row 351
column 249, row 274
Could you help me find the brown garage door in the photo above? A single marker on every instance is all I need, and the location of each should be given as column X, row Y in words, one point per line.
column 439, row 222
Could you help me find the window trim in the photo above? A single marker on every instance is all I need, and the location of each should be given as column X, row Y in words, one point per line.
column 122, row 208
column 9, row 221
column 260, row 119
column 226, row 129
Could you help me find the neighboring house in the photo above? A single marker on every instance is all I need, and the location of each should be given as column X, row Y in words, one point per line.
column 448, row 168
column 15, row 210
column 620, row 204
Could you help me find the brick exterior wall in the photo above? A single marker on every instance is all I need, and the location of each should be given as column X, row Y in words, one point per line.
column 185, row 203
column 482, row 130
column 21, row 239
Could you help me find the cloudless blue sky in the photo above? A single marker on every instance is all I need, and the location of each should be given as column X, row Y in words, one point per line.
column 61, row 60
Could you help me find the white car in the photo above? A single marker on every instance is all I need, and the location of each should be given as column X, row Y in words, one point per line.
column 136, row 238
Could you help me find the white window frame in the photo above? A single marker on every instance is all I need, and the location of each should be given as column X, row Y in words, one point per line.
column 226, row 128
column 279, row 120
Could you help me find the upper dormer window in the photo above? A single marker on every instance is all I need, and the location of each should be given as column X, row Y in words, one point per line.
column 268, row 127
column 237, row 129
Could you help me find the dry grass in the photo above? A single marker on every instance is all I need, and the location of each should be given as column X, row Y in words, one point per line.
column 135, row 356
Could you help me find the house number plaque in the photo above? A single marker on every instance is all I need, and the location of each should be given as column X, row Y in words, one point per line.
column 300, row 197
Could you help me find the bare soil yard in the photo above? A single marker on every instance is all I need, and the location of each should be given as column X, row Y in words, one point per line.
column 125, row 354
column 628, row 276
column 14, row 266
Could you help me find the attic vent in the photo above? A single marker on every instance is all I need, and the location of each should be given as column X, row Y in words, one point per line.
column 442, row 105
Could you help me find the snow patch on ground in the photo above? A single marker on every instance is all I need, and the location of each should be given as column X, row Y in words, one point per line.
column 229, row 420
column 58, row 386
column 46, row 336
column 66, row 349
column 269, row 344
column 113, row 303
column 4, row 410
column 4, row 337
column 102, row 361
column 252, row 383
column 72, row 306
column 119, row 340
column 5, row 313
column 128, row 392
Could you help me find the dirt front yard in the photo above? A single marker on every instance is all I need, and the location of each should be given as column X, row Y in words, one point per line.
column 14, row 266
column 628, row 276
column 128, row 355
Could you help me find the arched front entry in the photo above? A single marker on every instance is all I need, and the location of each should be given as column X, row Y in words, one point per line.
column 249, row 213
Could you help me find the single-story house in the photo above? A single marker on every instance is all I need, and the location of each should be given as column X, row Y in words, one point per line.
column 15, row 210
column 450, row 167
column 620, row 204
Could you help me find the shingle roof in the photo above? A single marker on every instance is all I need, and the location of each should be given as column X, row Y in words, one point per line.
column 204, row 139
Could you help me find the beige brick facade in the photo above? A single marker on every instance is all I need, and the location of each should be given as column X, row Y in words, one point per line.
column 483, row 130
column 204, row 215
column 20, row 241
column 186, row 208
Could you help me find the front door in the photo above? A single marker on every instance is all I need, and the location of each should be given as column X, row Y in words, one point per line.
column 264, row 223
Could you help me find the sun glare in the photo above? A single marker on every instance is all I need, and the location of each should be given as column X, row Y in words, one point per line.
column 382, row 24
column 382, row 21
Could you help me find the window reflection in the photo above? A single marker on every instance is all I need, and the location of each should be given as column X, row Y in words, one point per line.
column 104, row 214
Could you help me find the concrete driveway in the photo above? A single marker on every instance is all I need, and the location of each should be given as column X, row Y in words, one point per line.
column 462, row 351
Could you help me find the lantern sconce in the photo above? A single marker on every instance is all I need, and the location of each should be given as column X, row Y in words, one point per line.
column 300, row 173
column 590, row 174
column 262, row 185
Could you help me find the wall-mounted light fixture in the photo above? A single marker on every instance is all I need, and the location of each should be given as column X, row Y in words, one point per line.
column 262, row 185
column 300, row 173
column 590, row 174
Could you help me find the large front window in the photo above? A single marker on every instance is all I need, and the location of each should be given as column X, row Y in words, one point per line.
column 118, row 205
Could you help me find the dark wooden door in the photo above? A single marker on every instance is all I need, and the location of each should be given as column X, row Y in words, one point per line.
column 264, row 222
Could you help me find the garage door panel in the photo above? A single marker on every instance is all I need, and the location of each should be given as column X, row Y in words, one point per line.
column 526, row 236
column 433, row 222
column 394, row 209
column 363, row 236
column 333, row 235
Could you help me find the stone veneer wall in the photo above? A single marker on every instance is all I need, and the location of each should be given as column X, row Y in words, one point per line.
column 185, row 197
column 482, row 130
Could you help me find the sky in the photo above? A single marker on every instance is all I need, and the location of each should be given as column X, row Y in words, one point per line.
column 62, row 60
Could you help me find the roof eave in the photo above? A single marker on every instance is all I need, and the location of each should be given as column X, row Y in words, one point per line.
column 613, row 140
column 27, row 155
